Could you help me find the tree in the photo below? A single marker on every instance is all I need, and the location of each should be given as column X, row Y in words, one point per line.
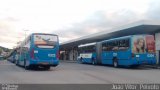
column 0, row 51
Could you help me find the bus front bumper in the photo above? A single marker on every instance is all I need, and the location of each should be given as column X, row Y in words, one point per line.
column 145, row 62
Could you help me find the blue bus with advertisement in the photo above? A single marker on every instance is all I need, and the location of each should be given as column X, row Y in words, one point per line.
column 133, row 50
column 38, row 50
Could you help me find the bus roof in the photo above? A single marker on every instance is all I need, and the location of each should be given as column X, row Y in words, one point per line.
column 88, row 44
column 123, row 37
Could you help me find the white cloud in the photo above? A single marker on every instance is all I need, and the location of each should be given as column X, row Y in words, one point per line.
column 69, row 18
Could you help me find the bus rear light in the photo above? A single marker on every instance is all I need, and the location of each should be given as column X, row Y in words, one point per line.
column 32, row 54
column 57, row 55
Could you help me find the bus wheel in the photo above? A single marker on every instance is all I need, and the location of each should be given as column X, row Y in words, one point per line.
column 81, row 60
column 115, row 62
column 93, row 62
column 16, row 62
column 25, row 66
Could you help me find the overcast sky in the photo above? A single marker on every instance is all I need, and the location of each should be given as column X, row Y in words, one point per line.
column 69, row 19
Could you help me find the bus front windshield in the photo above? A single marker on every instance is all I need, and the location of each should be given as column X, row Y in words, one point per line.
column 45, row 41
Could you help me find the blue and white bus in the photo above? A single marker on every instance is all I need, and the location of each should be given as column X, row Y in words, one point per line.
column 87, row 53
column 38, row 49
column 133, row 50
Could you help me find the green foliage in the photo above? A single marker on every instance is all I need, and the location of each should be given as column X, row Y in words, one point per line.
column 0, row 51
column 3, row 49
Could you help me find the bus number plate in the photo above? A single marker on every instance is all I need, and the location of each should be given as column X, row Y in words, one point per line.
column 51, row 55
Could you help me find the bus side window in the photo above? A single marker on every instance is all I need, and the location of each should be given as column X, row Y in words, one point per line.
column 127, row 43
column 103, row 46
column 110, row 46
column 124, row 44
column 115, row 45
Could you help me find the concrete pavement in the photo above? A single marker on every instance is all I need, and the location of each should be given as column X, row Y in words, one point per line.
column 74, row 73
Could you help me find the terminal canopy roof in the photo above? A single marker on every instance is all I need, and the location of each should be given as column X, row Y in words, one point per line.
column 140, row 27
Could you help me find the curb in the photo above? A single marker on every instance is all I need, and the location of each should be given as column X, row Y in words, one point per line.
column 152, row 66
column 68, row 61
